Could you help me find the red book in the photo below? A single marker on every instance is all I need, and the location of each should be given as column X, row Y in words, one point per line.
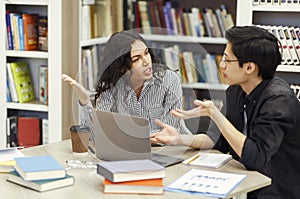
column 30, row 23
column 150, row 186
column 29, row 133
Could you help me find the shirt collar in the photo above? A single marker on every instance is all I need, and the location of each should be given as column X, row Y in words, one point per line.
column 255, row 94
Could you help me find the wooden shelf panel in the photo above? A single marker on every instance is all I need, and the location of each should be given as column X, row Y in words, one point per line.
column 31, row 2
column 30, row 106
column 27, row 54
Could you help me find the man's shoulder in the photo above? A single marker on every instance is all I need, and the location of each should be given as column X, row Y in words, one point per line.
column 278, row 86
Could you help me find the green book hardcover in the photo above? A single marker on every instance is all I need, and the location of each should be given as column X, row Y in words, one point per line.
column 41, row 185
column 23, row 81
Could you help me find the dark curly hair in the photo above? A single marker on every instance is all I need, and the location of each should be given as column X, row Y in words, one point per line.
column 116, row 59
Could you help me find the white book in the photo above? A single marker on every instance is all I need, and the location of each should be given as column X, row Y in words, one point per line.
column 206, row 183
column 285, row 51
column 168, row 57
column 276, row 2
column 85, row 22
column 212, row 70
column 192, row 25
column 220, row 21
column 216, row 24
column 207, row 159
column 87, row 67
column 195, row 20
column 11, row 83
column 45, row 131
column 189, row 65
column 289, row 42
column 95, row 64
column 42, row 83
column 173, row 15
column 269, row 2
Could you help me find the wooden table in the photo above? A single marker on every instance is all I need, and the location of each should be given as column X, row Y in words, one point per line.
column 88, row 184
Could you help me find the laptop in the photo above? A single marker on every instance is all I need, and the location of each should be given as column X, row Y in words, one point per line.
column 125, row 137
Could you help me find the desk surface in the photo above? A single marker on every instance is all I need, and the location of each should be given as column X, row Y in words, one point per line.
column 88, row 184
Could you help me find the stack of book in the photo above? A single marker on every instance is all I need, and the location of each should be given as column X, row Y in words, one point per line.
column 7, row 156
column 132, row 176
column 40, row 173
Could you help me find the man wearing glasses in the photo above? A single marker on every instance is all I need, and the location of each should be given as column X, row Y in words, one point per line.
column 259, row 123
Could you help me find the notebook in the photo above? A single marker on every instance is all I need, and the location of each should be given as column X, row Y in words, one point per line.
column 125, row 137
column 207, row 159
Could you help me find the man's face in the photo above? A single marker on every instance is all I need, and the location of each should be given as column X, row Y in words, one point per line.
column 232, row 72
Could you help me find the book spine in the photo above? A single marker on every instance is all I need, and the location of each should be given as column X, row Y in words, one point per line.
column 8, row 96
column 9, row 33
column 21, row 32
column 11, row 83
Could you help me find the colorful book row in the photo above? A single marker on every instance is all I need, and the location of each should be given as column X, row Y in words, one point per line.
column 26, row 31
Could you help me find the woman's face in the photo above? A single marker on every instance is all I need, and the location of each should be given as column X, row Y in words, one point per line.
column 141, row 68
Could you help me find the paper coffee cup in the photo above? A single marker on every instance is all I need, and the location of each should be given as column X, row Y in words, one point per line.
column 80, row 138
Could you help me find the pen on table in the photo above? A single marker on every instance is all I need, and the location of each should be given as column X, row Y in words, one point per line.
column 193, row 158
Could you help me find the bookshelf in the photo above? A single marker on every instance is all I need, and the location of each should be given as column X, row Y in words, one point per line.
column 278, row 15
column 210, row 44
column 58, row 58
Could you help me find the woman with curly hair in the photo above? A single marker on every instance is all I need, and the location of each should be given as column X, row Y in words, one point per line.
column 132, row 81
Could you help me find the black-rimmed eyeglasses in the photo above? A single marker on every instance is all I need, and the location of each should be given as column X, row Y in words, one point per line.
column 224, row 61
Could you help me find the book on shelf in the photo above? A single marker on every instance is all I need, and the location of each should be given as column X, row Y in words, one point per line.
column 11, row 84
column 290, row 45
column 207, row 159
column 14, row 23
column 150, row 186
column 295, row 39
column 43, row 33
column 8, row 96
column 30, row 22
column 22, row 80
column 9, row 33
column 45, row 131
column 41, row 185
column 12, row 131
column 39, row 168
column 206, row 183
column 103, row 18
column 42, row 83
column 21, row 32
column 144, row 16
column 128, row 170
column 29, row 131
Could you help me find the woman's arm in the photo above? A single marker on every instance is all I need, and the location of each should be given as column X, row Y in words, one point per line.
column 82, row 93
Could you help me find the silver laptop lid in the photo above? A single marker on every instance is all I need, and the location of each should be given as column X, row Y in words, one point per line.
column 121, row 137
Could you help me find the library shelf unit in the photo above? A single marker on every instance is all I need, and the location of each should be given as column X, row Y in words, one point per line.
column 210, row 44
column 279, row 15
column 58, row 58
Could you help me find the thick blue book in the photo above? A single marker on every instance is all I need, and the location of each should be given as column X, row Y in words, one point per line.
column 39, row 168
column 41, row 185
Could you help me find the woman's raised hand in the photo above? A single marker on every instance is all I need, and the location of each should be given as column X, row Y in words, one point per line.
column 83, row 94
